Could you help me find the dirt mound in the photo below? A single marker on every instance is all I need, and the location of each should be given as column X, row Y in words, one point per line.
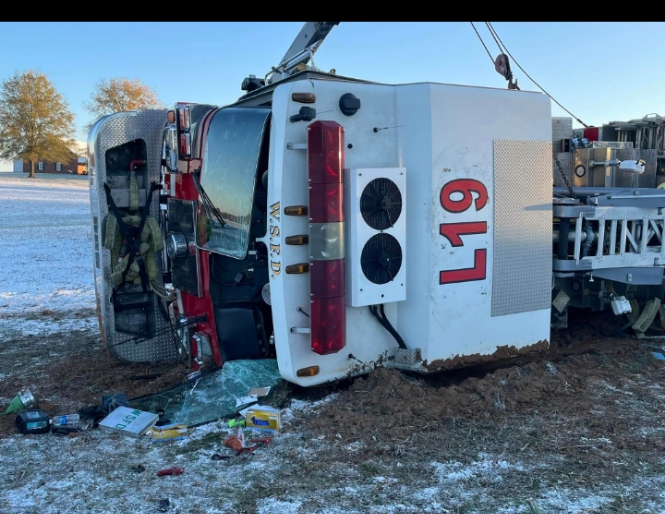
column 388, row 401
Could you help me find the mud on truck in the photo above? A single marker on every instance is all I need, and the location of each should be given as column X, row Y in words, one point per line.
column 336, row 225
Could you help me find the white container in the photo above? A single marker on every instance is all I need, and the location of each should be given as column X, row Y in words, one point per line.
column 128, row 421
column 620, row 306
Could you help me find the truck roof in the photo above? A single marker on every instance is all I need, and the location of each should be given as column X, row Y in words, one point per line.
column 258, row 96
column 302, row 75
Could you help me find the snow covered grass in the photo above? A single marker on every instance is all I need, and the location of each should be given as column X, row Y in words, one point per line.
column 46, row 260
column 522, row 467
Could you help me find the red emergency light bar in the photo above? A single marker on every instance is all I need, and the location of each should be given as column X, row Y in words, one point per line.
column 325, row 159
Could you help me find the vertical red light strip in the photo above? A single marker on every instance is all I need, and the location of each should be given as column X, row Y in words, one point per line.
column 325, row 159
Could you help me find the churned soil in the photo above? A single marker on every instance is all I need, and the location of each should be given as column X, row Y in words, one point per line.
column 378, row 405
column 77, row 376
column 559, row 381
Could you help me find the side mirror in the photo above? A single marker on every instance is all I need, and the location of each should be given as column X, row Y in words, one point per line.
column 170, row 149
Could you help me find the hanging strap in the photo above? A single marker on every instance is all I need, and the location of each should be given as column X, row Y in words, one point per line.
column 132, row 238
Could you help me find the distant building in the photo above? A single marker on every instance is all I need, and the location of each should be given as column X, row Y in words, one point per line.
column 6, row 166
column 75, row 165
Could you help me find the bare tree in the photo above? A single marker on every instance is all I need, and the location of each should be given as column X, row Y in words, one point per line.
column 121, row 94
column 35, row 121
column 81, row 149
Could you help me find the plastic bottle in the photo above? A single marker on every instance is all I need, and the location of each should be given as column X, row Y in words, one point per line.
column 68, row 420
column 237, row 423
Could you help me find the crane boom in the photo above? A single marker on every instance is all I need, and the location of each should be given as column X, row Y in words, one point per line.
column 310, row 36
column 303, row 47
column 300, row 52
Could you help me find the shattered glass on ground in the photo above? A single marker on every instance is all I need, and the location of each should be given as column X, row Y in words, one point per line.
column 212, row 396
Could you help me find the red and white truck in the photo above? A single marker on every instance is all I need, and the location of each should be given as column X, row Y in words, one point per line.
column 336, row 225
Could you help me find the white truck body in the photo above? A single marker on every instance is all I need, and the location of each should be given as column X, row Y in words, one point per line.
column 439, row 134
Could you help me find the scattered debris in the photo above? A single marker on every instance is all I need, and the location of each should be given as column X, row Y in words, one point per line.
column 170, row 471
column 164, row 505
column 110, row 402
column 263, row 418
column 129, row 421
column 22, row 401
column 69, row 431
column 246, row 400
column 263, row 441
column 32, row 421
column 66, row 420
column 259, row 392
column 214, row 394
column 237, row 443
column 94, row 414
column 174, row 432
column 252, row 396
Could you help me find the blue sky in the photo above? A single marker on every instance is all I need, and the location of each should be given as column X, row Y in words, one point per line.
column 599, row 71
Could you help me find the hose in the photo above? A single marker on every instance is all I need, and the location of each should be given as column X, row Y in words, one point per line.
column 374, row 309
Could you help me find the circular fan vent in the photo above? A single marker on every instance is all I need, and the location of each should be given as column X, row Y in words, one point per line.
column 381, row 258
column 381, row 203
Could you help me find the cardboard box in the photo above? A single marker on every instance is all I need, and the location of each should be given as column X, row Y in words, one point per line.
column 129, row 421
column 175, row 432
column 263, row 417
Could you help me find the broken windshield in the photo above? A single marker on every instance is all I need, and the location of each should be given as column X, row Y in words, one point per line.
column 230, row 167
column 217, row 394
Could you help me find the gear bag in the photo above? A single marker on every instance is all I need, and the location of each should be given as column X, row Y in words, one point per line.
column 134, row 242
column 151, row 244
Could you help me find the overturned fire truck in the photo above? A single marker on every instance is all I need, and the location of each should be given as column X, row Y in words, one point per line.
column 336, row 225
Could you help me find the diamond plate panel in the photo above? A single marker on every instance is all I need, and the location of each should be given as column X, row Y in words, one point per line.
column 522, row 264
column 113, row 131
column 562, row 128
